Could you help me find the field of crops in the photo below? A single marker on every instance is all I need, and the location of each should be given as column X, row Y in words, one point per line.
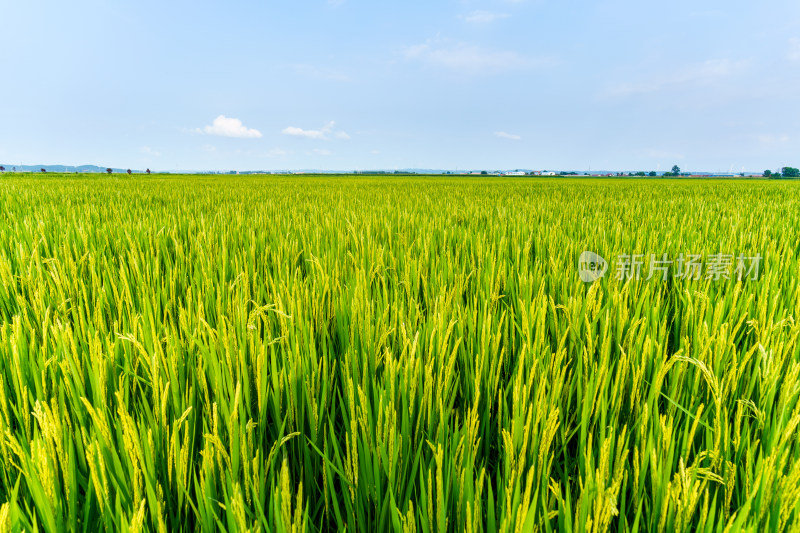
column 395, row 354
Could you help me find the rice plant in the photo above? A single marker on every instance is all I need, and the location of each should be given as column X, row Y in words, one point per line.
column 416, row 354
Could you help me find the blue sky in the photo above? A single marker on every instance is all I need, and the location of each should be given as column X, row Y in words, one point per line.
column 345, row 84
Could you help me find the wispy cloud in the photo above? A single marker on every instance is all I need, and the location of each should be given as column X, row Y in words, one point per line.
column 794, row 49
column 698, row 74
column 482, row 17
column 229, row 127
column 504, row 135
column 466, row 58
column 325, row 133
column 300, row 132
column 149, row 151
column 768, row 139
column 320, row 151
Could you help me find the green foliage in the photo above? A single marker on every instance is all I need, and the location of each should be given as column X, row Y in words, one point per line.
column 790, row 172
column 182, row 353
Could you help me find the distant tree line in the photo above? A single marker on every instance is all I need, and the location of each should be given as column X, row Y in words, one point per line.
column 786, row 172
column 129, row 171
column 676, row 171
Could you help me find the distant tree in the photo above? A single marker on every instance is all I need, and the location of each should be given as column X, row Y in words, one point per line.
column 109, row 171
column 790, row 172
column 129, row 172
column 43, row 170
column 767, row 173
column 2, row 169
column 652, row 174
column 483, row 172
column 641, row 174
column 676, row 170
column 148, row 171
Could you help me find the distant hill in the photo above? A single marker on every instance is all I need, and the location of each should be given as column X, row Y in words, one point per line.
column 62, row 168
column 95, row 168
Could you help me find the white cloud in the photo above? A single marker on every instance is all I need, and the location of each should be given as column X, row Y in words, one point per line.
column 483, row 17
column 469, row 59
column 323, row 134
column 504, row 135
column 794, row 49
column 276, row 152
column 318, row 151
column 300, row 132
column 704, row 73
column 230, row 127
column 768, row 139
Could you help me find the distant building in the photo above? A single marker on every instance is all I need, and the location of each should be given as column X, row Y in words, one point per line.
column 547, row 173
column 516, row 173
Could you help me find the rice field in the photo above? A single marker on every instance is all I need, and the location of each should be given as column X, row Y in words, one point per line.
column 416, row 354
